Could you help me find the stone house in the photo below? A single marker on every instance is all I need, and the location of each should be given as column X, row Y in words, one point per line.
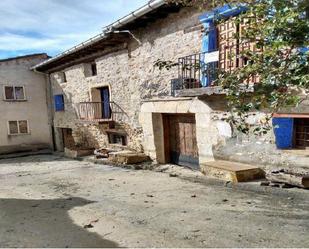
column 108, row 93
column 24, row 123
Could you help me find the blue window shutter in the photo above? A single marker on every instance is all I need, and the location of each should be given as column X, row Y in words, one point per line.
column 283, row 129
column 59, row 102
column 209, row 44
column 210, row 38
column 213, row 38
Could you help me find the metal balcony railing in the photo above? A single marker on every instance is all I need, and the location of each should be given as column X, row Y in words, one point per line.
column 198, row 70
column 202, row 69
column 99, row 111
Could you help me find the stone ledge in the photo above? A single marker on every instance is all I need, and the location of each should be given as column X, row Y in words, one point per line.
column 231, row 171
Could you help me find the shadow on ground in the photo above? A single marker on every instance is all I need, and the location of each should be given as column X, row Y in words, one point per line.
column 45, row 223
column 33, row 159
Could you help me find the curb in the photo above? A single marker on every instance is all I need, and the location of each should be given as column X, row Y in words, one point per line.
column 250, row 187
column 246, row 186
column 26, row 154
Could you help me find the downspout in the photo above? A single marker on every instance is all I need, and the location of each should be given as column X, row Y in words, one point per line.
column 51, row 113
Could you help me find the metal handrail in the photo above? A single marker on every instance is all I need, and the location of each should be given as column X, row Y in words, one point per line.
column 97, row 111
column 195, row 72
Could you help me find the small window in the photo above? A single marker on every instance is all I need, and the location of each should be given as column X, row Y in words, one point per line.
column 94, row 69
column 90, row 69
column 14, row 93
column 9, row 92
column 115, row 138
column 64, row 77
column 18, row 127
column 59, row 102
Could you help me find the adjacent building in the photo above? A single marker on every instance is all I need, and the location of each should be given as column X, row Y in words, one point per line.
column 24, row 122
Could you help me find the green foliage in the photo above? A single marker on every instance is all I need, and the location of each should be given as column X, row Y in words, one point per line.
column 279, row 28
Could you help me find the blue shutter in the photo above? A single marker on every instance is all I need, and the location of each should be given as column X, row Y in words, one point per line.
column 59, row 102
column 210, row 38
column 283, row 129
column 209, row 44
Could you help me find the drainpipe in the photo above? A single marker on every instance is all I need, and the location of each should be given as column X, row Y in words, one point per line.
column 51, row 116
column 129, row 32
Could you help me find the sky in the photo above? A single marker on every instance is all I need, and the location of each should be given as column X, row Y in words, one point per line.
column 53, row 26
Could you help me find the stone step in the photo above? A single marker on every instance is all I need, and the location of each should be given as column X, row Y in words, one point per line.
column 232, row 171
column 127, row 157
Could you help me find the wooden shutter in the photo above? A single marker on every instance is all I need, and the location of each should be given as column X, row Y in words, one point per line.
column 245, row 46
column 227, row 45
column 231, row 46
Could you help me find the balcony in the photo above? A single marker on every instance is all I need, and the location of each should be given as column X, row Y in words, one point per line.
column 100, row 112
column 198, row 73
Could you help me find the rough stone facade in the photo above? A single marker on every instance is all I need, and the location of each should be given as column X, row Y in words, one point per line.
column 130, row 75
column 143, row 92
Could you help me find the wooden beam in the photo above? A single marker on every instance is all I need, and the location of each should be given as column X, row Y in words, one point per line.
column 291, row 115
column 82, row 58
column 289, row 178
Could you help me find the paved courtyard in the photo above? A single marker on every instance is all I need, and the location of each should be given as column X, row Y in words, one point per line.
column 49, row 201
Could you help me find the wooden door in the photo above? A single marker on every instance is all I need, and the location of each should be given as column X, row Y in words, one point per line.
column 180, row 140
column 68, row 140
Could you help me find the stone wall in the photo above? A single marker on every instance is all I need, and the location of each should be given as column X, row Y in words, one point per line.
column 209, row 132
column 130, row 75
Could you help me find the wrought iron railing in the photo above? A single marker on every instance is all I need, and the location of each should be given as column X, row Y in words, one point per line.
column 202, row 69
column 100, row 111
column 195, row 72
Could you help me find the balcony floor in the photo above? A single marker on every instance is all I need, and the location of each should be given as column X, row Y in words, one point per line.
column 194, row 92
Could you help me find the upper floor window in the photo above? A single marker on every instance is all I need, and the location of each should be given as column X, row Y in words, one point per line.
column 14, row 93
column 90, row 69
column 59, row 102
column 18, row 127
column 63, row 77
column 94, row 69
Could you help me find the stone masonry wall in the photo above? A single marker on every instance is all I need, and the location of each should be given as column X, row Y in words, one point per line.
column 131, row 76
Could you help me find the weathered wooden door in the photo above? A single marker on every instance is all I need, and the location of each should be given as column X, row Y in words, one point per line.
column 180, row 140
column 68, row 140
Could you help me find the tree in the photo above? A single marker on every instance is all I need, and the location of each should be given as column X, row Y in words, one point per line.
column 280, row 29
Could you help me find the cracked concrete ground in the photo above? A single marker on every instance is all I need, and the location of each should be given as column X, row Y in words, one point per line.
column 49, row 201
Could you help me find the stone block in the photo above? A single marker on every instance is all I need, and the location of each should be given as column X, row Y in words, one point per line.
column 75, row 153
column 126, row 157
column 232, row 171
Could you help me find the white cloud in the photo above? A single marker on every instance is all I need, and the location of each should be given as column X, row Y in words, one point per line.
column 55, row 25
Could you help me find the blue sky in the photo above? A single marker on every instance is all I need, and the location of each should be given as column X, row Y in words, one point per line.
column 52, row 26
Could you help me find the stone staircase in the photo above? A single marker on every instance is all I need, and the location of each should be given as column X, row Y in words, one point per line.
column 232, row 171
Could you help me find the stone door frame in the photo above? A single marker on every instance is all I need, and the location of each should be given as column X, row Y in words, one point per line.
column 153, row 129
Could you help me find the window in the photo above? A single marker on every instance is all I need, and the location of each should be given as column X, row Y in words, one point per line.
column 59, row 102
column 94, row 69
column 90, row 69
column 64, row 77
column 14, row 93
column 115, row 138
column 18, row 127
